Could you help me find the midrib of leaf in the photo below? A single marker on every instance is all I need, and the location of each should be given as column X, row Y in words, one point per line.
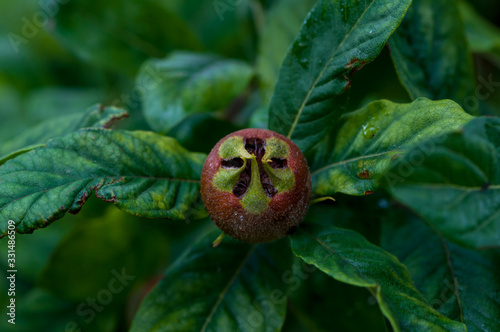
column 322, row 169
column 44, row 191
column 323, row 244
column 299, row 113
column 374, row 290
column 107, row 177
column 226, row 289
column 398, row 119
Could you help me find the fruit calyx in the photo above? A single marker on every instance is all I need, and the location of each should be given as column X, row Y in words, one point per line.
column 254, row 170
column 256, row 185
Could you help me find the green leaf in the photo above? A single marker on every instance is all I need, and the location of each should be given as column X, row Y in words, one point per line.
column 187, row 83
column 461, row 284
column 482, row 36
column 348, row 257
column 431, row 54
column 224, row 27
column 362, row 146
column 336, row 39
column 282, row 24
column 96, row 117
column 453, row 182
column 121, row 35
column 233, row 287
column 200, row 132
column 140, row 172
column 108, row 255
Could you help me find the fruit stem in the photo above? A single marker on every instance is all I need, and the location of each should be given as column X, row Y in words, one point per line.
column 321, row 199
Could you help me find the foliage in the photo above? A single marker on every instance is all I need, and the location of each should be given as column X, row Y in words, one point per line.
column 397, row 134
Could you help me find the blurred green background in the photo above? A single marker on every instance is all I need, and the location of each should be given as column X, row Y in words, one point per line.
column 58, row 58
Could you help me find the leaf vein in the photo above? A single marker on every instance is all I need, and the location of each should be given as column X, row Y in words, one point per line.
column 327, row 63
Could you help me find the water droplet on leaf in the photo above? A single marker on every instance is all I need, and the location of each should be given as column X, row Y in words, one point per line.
column 304, row 63
column 369, row 130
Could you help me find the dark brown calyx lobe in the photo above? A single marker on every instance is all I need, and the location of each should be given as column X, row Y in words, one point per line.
column 257, row 147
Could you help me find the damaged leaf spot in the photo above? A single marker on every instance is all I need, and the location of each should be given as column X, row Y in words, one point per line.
column 355, row 65
column 366, row 174
column 395, row 156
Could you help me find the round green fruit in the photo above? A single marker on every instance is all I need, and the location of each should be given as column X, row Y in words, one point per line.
column 256, row 185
